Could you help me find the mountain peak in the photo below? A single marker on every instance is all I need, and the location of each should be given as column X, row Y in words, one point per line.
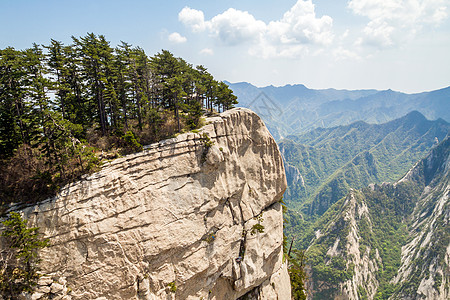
column 415, row 116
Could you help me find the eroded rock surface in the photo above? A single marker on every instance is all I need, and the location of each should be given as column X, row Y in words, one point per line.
column 175, row 221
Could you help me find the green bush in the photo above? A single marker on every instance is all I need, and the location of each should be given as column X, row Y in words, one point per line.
column 129, row 143
column 258, row 227
column 20, row 263
column 172, row 287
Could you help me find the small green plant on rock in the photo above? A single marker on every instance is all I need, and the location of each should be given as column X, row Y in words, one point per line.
column 209, row 238
column 258, row 227
column 172, row 287
column 207, row 143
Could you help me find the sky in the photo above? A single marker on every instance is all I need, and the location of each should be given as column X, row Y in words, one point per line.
column 402, row 45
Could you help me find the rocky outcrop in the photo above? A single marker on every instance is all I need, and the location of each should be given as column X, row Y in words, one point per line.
column 344, row 250
column 425, row 261
column 365, row 266
column 183, row 219
column 293, row 175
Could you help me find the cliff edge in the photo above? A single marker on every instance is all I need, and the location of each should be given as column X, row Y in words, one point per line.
column 183, row 219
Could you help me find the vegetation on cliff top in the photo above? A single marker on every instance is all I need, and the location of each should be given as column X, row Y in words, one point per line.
column 63, row 106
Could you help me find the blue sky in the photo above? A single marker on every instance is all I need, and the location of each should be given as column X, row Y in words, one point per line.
column 353, row 44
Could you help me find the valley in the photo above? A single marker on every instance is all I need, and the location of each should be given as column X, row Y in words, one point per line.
column 368, row 230
column 389, row 240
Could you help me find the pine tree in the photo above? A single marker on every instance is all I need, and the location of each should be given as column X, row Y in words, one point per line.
column 14, row 110
column 56, row 100
column 298, row 275
column 95, row 52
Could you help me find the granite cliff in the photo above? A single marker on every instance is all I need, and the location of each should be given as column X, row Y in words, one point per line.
column 184, row 219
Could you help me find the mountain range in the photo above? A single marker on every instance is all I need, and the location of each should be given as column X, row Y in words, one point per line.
column 321, row 165
column 387, row 240
column 294, row 109
column 368, row 231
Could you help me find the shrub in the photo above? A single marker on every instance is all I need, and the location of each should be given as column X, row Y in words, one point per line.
column 129, row 143
column 19, row 263
column 258, row 227
column 172, row 286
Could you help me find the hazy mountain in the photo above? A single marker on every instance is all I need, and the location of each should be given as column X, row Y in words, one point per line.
column 294, row 109
column 388, row 240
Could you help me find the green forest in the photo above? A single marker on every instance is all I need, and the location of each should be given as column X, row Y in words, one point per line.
column 395, row 215
column 65, row 108
column 333, row 160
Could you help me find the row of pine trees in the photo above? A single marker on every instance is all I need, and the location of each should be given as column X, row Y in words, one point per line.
column 61, row 103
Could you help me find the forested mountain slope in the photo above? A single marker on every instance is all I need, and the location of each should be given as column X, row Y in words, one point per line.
column 324, row 163
column 387, row 241
column 294, row 109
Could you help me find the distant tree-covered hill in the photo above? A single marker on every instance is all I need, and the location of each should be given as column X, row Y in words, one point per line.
column 294, row 109
column 325, row 162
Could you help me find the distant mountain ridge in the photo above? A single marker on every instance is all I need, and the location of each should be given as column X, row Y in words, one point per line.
column 294, row 109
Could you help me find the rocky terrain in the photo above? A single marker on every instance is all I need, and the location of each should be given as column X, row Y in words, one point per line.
column 389, row 240
column 194, row 217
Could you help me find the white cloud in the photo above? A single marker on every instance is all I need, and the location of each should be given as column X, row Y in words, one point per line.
column 391, row 22
column 345, row 34
column 291, row 36
column 207, row 51
column 192, row 18
column 177, row 38
column 234, row 27
column 300, row 25
column 341, row 53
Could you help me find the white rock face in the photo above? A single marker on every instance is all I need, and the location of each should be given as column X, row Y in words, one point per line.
column 365, row 267
column 175, row 221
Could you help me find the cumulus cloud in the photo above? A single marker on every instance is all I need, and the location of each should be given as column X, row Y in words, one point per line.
column 235, row 27
column 300, row 25
column 298, row 29
column 393, row 21
column 207, row 51
column 177, row 38
column 192, row 18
